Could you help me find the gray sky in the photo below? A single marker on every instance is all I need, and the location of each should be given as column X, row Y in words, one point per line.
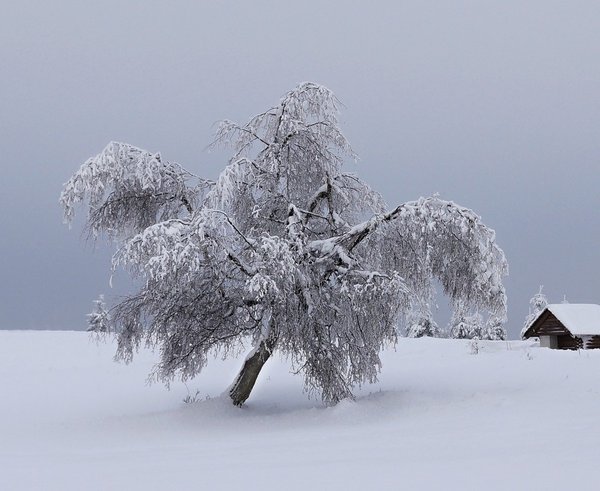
column 495, row 105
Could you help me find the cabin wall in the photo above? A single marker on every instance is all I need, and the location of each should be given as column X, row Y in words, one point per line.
column 548, row 342
column 569, row 342
column 592, row 342
column 549, row 325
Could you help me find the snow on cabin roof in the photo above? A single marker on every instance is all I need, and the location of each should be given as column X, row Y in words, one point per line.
column 579, row 318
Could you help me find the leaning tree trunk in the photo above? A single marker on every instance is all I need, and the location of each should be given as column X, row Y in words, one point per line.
column 244, row 382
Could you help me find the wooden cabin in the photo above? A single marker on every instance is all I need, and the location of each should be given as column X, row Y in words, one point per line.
column 567, row 326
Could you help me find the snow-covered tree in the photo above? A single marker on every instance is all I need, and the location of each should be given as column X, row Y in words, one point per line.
column 537, row 304
column 494, row 329
column 476, row 327
column 465, row 325
column 99, row 319
column 421, row 325
column 420, row 322
column 285, row 251
column 458, row 328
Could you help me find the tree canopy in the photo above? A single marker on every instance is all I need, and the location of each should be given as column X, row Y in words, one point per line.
column 285, row 251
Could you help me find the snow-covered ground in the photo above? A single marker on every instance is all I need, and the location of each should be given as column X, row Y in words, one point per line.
column 513, row 416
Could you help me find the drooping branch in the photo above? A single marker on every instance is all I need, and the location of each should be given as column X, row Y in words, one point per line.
column 129, row 189
column 425, row 225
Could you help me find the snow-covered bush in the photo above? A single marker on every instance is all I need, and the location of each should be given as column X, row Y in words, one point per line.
column 285, row 249
column 494, row 329
column 464, row 325
column 420, row 322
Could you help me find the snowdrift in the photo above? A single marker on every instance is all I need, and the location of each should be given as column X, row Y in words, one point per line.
column 512, row 416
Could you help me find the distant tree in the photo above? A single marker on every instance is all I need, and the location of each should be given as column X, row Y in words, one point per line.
column 284, row 250
column 420, row 322
column 476, row 327
column 99, row 319
column 459, row 328
column 494, row 329
column 537, row 304
column 464, row 325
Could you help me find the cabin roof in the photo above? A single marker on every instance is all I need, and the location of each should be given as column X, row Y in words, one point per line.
column 580, row 319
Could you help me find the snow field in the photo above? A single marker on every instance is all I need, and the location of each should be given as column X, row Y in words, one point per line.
column 513, row 416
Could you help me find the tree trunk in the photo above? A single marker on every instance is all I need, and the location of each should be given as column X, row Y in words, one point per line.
column 244, row 382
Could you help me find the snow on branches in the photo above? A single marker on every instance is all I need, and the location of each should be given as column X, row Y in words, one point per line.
column 285, row 250
column 128, row 189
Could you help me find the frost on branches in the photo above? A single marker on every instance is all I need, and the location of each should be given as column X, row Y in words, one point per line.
column 285, row 251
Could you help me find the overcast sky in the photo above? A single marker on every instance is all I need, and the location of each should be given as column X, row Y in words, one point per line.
column 495, row 105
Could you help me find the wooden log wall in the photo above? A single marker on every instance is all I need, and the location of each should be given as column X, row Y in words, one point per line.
column 593, row 343
column 569, row 342
column 548, row 325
